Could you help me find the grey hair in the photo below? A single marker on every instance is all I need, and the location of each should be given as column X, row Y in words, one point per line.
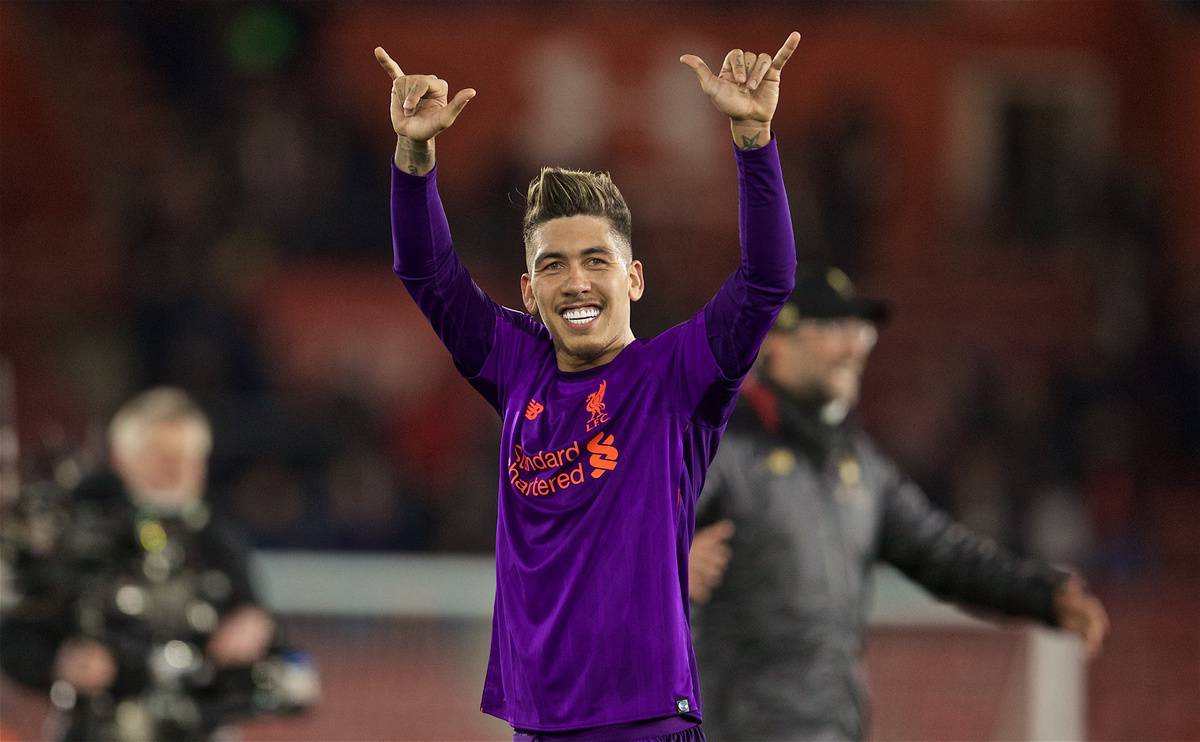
column 158, row 405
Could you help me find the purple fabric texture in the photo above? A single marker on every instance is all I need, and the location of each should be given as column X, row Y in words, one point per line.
column 599, row 469
column 675, row 729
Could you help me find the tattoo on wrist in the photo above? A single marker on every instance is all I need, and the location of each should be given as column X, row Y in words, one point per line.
column 751, row 142
column 418, row 160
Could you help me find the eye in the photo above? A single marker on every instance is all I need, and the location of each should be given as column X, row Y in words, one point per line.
column 552, row 265
column 597, row 262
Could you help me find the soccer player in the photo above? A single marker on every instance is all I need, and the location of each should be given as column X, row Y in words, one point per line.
column 606, row 437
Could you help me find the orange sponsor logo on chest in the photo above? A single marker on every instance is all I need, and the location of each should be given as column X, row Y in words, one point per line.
column 549, row 472
column 604, row 454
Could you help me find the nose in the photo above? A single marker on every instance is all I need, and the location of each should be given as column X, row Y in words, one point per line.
column 863, row 336
column 171, row 470
column 577, row 281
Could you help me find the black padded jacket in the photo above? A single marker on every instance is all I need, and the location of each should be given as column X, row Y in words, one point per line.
column 815, row 507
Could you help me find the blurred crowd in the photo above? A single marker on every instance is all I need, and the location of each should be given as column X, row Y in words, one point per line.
column 235, row 180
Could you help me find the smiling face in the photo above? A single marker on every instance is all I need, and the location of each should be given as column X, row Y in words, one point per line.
column 581, row 281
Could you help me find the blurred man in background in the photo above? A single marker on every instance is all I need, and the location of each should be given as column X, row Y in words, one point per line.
column 798, row 506
column 136, row 607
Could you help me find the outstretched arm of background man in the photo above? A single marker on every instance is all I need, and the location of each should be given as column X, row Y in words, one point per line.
column 739, row 315
column 958, row 565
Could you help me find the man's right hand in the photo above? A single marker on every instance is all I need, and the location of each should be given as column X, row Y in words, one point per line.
column 85, row 664
column 420, row 111
column 708, row 559
column 1081, row 613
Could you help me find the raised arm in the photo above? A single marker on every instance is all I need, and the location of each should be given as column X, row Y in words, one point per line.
column 739, row 316
column 461, row 314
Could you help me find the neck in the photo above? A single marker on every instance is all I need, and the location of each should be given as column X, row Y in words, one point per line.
column 811, row 404
column 807, row 402
column 812, row 422
column 568, row 361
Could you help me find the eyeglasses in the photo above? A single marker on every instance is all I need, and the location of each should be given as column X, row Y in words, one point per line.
column 851, row 328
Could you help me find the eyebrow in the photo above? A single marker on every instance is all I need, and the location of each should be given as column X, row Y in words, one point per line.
column 586, row 252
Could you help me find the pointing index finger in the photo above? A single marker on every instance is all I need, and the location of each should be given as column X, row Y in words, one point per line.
column 387, row 63
column 785, row 51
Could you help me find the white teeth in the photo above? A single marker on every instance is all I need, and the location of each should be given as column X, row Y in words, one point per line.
column 582, row 315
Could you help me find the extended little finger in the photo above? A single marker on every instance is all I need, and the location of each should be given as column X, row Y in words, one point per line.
column 388, row 63
column 785, row 51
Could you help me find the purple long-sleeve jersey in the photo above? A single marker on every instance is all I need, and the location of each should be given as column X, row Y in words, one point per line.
column 599, row 469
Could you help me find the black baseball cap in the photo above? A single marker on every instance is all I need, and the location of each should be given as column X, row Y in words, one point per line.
column 828, row 294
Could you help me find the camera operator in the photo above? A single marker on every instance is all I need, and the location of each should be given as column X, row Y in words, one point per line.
column 141, row 619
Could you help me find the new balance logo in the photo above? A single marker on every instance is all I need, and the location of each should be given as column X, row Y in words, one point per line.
column 533, row 409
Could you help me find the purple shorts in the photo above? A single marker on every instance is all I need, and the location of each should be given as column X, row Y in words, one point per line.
column 636, row 732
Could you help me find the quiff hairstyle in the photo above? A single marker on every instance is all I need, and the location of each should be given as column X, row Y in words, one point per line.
column 155, row 406
column 559, row 192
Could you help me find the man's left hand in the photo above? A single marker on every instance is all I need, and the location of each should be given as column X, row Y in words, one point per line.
column 1080, row 612
column 747, row 88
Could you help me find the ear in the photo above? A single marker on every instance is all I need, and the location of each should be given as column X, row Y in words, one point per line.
column 637, row 282
column 527, row 294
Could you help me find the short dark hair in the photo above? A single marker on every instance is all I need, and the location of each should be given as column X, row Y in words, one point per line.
column 559, row 192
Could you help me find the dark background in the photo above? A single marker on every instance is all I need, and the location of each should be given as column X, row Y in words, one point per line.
column 196, row 194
